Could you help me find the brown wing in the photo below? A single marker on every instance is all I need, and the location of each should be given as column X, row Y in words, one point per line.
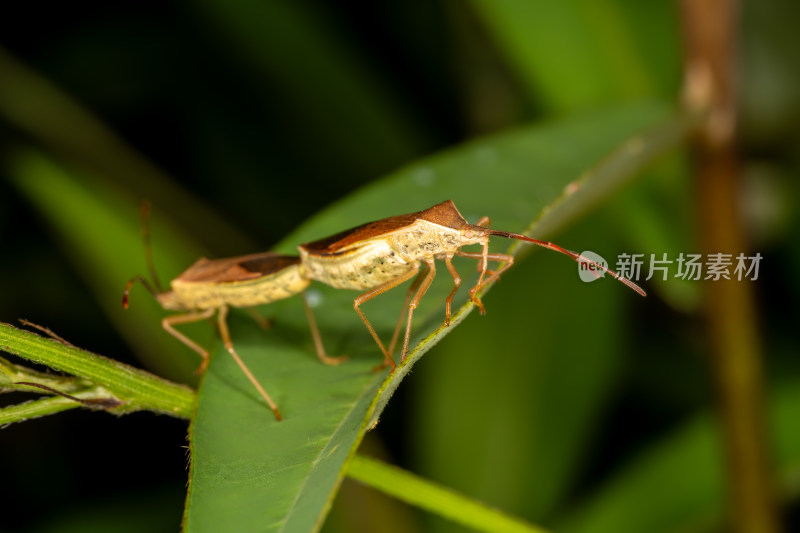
column 241, row 268
column 444, row 214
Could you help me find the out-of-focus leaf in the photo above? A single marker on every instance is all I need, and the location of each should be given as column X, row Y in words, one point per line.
column 576, row 54
column 521, row 391
column 36, row 106
column 678, row 484
column 263, row 33
column 99, row 229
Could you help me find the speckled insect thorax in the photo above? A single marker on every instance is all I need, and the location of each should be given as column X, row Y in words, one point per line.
column 376, row 252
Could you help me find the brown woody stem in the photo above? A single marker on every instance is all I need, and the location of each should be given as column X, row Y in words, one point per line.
column 736, row 353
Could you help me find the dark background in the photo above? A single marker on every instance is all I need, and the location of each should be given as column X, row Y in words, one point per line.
column 266, row 113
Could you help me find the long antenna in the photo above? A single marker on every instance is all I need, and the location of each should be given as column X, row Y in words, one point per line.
column 148, row 249
column 577, row 257
column 155, row 288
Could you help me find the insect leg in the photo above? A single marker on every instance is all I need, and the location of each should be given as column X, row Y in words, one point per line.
column 263, row 322
column 414, row 286
column 320, row 348
column 456, row 282
column 226, row 340
column 169, row 323
column 415, row 302
column 372, row 293
column 144, row 213
column 507, row 261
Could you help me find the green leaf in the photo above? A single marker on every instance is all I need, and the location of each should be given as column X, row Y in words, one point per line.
column 250, row 472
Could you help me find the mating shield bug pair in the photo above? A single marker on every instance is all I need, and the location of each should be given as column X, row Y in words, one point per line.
column 374, row 258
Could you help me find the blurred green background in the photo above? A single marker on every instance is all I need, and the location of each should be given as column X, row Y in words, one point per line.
column 240, row 120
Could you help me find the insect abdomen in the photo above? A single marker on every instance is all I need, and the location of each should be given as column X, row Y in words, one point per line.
column 359, row 269
column 263, row 290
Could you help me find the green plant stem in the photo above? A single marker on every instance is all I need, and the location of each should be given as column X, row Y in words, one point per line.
column 136, row 388
column 445, row 502
column 35, row 409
